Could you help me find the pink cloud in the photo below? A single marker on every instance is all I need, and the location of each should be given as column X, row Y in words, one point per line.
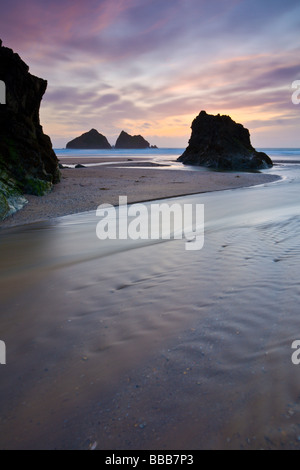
column 56, row 22
column 110, row 61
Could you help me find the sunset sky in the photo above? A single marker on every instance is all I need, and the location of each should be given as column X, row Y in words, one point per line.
column 150, row 66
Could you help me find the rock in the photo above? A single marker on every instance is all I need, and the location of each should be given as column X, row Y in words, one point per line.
column 28, row 164
column 89, row 140
column 126, row 141
column 219, row 142
column 11, row 199
column 79, row 166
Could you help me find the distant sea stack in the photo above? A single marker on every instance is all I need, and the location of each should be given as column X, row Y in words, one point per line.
column 28, row 163
column 126, row 141
column 219, row 142
column 89, row 140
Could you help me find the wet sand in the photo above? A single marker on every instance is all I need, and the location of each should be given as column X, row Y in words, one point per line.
column 84, row 189
column 130, row 346
column 114, row 346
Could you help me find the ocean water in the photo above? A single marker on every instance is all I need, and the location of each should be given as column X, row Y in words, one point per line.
column 165, row 156
column 145, row 345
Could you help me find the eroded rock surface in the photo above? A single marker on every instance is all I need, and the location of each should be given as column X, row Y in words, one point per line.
column 28, row 164
column 219, row 142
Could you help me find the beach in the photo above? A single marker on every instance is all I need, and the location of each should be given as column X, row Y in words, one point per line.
column 149, row 228
column 143, row 345
column 84, row 189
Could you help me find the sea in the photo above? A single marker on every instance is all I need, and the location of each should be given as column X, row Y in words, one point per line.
column 164, row 155
column 142, row 344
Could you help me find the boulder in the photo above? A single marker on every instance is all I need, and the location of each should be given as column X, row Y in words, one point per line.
column 28, row 164
column 219, row 142
column 126, row 141
column 89, row 140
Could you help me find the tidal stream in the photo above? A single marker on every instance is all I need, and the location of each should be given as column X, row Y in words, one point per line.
column 124, row 344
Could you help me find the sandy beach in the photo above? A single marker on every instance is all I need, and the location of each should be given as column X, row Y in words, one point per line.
column 84, row 189
column 149, row 228
column 142, row 344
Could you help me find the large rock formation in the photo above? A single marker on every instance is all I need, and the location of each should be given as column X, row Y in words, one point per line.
column 219, row 142
column 126, row 141
column 28, row 163
column 89, row 140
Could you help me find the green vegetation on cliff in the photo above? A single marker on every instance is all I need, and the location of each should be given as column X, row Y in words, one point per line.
column 28, row 164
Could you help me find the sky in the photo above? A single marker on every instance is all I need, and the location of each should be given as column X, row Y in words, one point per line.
column 150, row 66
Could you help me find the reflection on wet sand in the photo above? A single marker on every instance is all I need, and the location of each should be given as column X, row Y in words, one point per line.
column 144, row 345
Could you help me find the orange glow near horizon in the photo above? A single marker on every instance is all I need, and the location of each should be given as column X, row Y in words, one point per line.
column 150, row 67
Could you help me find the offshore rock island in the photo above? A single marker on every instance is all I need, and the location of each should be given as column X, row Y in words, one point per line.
column 28, row 164
column 220, row 143
column 94, row 140
column 126, row 141
column 89, row 140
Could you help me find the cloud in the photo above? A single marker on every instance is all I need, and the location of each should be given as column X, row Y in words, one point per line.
column 147, row 63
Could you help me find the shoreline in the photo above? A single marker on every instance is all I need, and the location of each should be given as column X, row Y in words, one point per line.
column 84, row 189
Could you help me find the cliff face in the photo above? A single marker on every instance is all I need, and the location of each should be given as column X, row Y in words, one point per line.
column 89, row 140
column 126, row 141
column 28, row 163
column 219, row 142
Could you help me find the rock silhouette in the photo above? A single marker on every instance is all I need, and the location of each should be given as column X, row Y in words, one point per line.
column 219, row 142
column 28, row 163
column 89, row 140
column 126, row 141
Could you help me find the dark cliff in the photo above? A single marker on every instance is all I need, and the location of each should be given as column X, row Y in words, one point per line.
column 219, row 142
column 28, row 163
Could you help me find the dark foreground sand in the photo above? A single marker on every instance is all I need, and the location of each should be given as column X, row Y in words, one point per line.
column 84, row 189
